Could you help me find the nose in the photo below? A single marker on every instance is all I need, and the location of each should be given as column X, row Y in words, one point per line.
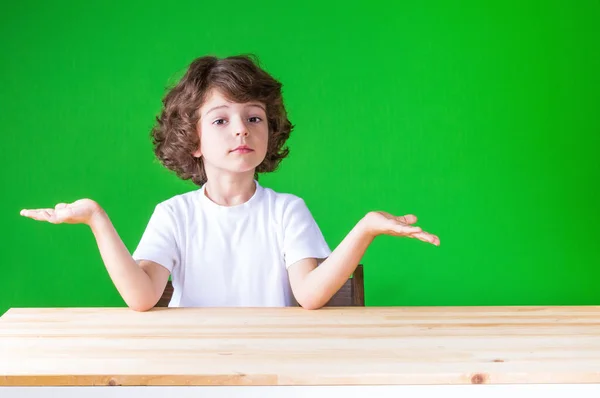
column 241, row 129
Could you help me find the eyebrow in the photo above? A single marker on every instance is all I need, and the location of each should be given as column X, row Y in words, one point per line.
column 227, row 106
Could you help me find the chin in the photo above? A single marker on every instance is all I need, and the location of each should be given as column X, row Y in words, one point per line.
column 246, row 167
column 240, row 170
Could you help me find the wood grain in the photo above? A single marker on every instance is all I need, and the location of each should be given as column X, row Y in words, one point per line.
column 293, row 346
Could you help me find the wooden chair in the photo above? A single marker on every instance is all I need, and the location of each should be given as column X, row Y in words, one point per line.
column 352, row 293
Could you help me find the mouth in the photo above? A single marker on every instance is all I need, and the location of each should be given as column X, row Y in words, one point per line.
column 243, row 149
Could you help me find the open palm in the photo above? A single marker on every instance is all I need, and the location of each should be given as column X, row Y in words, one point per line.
column 78, row 212
column 382, row 223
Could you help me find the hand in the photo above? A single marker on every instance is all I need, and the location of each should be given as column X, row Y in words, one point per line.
column 382, row 223
column 82, row 211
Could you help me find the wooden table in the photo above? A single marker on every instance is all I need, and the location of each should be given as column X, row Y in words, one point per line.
column 388, row 350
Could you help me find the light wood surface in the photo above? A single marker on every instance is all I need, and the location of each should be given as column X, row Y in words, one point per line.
column 293, row 346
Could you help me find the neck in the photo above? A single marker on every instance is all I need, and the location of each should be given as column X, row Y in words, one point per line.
column 230, row 190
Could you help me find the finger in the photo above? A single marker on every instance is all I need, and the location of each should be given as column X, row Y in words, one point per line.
column 63, row 213
column 407, row 219
column 38, row 214
column 406, row 229
column 52, row 216
column 426, row 237
column 30, row 213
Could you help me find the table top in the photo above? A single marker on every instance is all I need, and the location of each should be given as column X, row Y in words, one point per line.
column 293, row 346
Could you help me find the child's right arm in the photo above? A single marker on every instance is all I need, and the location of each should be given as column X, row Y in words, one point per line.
column 141, row 285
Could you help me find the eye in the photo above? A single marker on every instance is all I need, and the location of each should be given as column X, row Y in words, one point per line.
column 255, row 119
column 219, row 121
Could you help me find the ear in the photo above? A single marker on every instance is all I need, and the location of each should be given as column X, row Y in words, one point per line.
column 197, row 153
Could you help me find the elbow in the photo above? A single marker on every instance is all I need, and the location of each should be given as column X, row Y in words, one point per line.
column 310, row 302
column 311, row 306
column 140, row 306
column 141, row 301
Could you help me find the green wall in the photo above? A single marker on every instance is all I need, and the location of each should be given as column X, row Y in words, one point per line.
column 480, row 119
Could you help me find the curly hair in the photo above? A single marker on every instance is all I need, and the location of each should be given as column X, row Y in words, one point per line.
column 240, row 79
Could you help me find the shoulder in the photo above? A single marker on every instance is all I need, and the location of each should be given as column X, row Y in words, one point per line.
column 288, row 208
column 178, row 206
column 282, row 201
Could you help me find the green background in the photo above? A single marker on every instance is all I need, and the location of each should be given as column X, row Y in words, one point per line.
column 480, row 119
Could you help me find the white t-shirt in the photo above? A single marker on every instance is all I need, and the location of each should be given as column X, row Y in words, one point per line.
column 223, row 256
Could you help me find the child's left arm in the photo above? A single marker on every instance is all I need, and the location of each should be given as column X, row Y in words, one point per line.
column 314, row 286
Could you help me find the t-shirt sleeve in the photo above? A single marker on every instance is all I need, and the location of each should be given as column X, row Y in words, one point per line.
column 302, row 237
column 159, row 240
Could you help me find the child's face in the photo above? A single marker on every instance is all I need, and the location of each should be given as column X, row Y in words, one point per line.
column 233, row 136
